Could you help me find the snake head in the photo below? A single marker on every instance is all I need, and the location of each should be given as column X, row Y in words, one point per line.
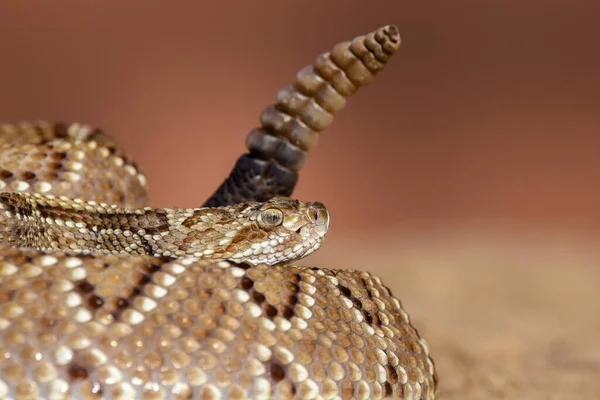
column 278, row 231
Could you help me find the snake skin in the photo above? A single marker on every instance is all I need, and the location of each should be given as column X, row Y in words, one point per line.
column 277, row 231
column 124, row 326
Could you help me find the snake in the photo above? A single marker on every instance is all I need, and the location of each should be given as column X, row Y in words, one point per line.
column 105, row 297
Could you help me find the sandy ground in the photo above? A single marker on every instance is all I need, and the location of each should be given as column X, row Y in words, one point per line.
column 506, row 316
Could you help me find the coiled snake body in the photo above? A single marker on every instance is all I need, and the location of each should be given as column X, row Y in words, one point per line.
column 104, row 298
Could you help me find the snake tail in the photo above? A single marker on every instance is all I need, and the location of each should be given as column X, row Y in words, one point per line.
column 289, row 128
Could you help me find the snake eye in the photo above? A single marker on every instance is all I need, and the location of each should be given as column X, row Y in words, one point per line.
column 271, row 216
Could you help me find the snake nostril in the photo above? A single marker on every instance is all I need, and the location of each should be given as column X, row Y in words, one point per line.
column 317, row 213
column 299, row 230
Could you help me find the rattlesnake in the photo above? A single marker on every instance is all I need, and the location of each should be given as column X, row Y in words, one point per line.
column 103, row 297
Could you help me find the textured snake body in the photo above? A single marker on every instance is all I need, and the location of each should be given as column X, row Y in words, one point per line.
column 123, row 326
column 277, row 231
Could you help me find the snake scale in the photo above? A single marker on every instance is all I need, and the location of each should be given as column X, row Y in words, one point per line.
column 102, row 297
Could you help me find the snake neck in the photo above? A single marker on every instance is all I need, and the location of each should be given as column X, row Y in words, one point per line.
column 56, row 224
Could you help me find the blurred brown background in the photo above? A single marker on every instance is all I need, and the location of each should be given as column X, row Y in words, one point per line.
column 471, row 163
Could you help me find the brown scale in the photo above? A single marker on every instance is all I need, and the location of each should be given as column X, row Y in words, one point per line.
column 103, row 326
column 218, row 216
